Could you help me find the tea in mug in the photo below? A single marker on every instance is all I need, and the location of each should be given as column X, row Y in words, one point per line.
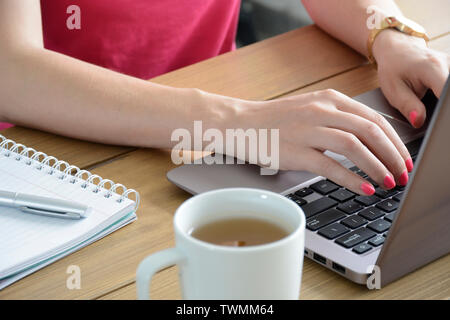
column 239, row 232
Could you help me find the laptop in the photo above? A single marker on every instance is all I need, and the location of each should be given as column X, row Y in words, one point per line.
column 397, row 231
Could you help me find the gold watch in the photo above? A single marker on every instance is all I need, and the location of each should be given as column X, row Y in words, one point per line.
column 401, row 24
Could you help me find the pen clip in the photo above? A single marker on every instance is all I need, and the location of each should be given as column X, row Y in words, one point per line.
column 55, row 214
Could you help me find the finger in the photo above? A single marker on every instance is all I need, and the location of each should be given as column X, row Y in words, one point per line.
column 350, row 146
column 352, row 106
column 407, row 102
column 323, row 165
column 373, row 137
column 434, row 77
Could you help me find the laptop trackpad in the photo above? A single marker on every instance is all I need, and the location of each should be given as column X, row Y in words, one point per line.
column 376, row 100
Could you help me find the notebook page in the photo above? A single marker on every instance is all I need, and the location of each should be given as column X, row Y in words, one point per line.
column 24, row 237
column 7, row 281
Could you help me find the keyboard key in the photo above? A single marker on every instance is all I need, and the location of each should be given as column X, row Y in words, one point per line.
column 378, row 240
column 388, row 205
column 354, row 221
column 371, row 213
column 291, row 196
column 303, row 192
column 323, row 219
column 324, row 187
column 333, row 231
column 391, row 216
column 361, row 248
column 317, row 206
column 398, row 197
column 379, row 226
column 296, row 199
column 372, row 182
column 299, row 201
column 414, row 147
column 385, row 193
column 367, row 200
column 361, row 173
column 355, row 237
column 342, row 195
column 350, row 207
column 358, row 171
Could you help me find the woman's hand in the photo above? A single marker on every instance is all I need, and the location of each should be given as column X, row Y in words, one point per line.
column 406, row 69
column 314, row 122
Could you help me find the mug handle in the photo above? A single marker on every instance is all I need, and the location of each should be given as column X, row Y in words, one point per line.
column 153, row 264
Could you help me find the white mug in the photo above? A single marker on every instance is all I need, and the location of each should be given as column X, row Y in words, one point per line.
column 208, row 271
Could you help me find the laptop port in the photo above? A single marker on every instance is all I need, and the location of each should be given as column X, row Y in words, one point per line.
column 319, row 258
column 338, row 268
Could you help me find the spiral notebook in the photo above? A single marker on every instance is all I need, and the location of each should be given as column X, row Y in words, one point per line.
column 29, row 242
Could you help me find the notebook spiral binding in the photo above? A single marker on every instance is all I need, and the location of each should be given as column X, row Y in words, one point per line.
column 33, row 157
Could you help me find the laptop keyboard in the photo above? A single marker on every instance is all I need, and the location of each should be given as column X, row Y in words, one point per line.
column 358, row 223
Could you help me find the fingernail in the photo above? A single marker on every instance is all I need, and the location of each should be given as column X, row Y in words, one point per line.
column 413, row 117
column 389, row 182
column 409, row 165
column 403, row 180
column 367, row 188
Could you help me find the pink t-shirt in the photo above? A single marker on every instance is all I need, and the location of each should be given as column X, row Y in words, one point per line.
column 141, row 38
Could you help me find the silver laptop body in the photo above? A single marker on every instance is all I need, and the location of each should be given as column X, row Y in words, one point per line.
column 419, row 234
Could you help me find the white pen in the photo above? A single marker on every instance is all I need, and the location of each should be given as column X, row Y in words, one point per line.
column 43, row 205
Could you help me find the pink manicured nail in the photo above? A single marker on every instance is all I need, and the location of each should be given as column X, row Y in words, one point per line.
column 389, row 182
column 367, row 188
column 403, row 180
column 413, row 117
column 409, row 165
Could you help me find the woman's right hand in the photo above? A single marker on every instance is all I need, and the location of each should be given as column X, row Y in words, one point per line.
column 314, row 122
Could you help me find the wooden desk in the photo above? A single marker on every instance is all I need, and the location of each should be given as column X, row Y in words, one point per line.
column 299, row 61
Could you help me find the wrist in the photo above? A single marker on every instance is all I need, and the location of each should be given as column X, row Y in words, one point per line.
column 220, row 112
column 239, row 122
column 389, row 40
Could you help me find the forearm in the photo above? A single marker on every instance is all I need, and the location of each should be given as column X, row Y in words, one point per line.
column 56, row 93
column 347, row 20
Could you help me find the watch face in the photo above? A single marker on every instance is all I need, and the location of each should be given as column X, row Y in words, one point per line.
column 413, row 25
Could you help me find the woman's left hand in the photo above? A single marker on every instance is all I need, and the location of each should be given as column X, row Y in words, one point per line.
column 406, row 69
